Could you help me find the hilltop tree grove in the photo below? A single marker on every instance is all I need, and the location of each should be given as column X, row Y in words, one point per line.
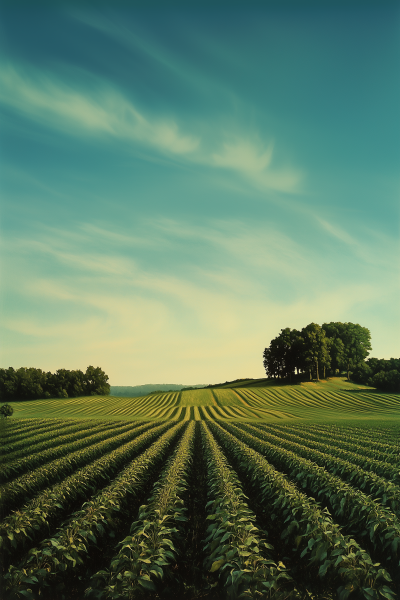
column 317, row 350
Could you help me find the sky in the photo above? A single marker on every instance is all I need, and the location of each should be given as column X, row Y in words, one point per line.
column 181, row 182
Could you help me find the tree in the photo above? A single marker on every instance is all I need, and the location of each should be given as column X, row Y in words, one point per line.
column 282, row 357
column 380, row 373
column 270, row 363
column 6, row 410
column 297, row 349
column 8, row 384
column 29, row 383
column 315, row 348
column 356, row 342
column 388, row 381
column 96, row 382
column 274, row 356
column 362, row 373
column 336, row 345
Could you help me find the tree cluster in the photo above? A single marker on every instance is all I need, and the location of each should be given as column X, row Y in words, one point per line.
column 31, row 383
column 6, row 410
column 317, row 350
column 379, row 373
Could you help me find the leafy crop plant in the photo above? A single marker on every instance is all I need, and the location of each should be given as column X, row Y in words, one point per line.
column 147, row 555
column 327, row 553
column 237, row 551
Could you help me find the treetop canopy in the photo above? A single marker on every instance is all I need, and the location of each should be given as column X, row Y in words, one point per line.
column 329, row 347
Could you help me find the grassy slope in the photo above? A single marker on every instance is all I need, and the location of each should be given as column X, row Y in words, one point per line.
column 331, row 400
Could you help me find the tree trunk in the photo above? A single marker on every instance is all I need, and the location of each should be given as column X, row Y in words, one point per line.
column 316, row 366
column 324, row 372
column 310, row 375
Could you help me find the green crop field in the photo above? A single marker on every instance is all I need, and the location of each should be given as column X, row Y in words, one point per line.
column 333, row 399
column 250, row 491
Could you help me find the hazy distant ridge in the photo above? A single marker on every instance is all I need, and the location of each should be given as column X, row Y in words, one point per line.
column 141, row 390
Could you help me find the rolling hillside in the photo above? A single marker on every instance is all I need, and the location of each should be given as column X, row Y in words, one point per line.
column 327, row 400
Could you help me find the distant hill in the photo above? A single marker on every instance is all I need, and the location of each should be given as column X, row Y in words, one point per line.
column 130, row 391
column 241, row 383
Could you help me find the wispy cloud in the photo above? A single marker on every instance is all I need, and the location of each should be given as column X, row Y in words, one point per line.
column 248, row 247
column 214, row 311
column 247, row 158
column 244, row 156
column 364, row 244
column 250, row 160
column 337, row 232
column 237, row 260
column 98, row 109
column 72, row 108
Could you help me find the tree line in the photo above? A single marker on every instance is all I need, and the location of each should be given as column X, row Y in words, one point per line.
column 30, row 383
column 329, row 349
column 379, row 373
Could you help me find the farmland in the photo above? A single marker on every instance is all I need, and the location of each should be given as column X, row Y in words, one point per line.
column 331, row 400
column 266, row 491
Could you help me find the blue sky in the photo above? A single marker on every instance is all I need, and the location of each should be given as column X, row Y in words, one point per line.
column 180, row 184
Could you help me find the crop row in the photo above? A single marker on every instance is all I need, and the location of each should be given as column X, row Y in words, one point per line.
column 69, row 547
column 29, row 443
column 369, row 520
column 153, row 406
column 62, row 446
column 307, row 527
column 146, row 556
column 34, row 443
column 13, row 434
column 308, row 399
column 237, row 558
column 374, row 437
column 378, row 487
column 349, row 443
column 38, row 516
column 236, row 551
column 19, row 490
column 381, row 468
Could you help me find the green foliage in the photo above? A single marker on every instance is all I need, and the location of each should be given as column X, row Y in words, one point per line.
column 329, row 494
column 236, row 550
column 30, row 383
column 284, row 354
column 35, row 451
column 316, row 348
column 6, row 410
column 147, row 555
column 388, row 381
column 383, row 468
column 365, row 479
column 330, row 555
column 46, row 508
column 353, row 441
column 24, row 487
column 364, row 515
column 356, row 343
column 380, row 373
column 46, row 565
